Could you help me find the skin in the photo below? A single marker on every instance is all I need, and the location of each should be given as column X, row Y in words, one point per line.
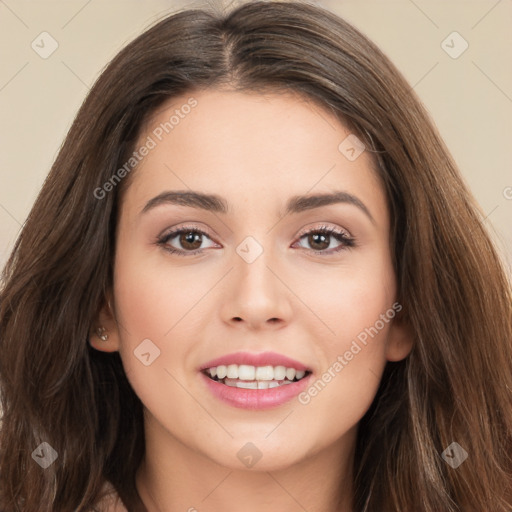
column 256, row 151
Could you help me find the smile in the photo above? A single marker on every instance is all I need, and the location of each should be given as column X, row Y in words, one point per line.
column 256, row 381
column 254, row 377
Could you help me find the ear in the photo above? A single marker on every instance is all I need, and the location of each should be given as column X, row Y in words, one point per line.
column 400, row 339
column 105, row 325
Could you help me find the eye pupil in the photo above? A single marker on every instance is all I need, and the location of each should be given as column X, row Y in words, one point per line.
column 320, row 240
column 190, row 240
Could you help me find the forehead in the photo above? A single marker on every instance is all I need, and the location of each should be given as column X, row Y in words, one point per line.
column 250, row 147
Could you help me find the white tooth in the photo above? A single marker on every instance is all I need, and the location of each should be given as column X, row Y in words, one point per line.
column 246, row 372
column 279, row 372
column 232, row 371
column 247, row 385
column 264, row 373
column 287, row 382
column 221, row 371
column 263, row 384
column 273, row 384
column 290, row 373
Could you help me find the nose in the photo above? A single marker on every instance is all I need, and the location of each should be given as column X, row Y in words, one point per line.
column 256, row 297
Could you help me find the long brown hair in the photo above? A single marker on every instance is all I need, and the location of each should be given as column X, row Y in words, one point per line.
column 455, row 386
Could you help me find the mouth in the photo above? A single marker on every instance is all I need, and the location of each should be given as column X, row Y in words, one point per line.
column 255, row 377
column 255, row 381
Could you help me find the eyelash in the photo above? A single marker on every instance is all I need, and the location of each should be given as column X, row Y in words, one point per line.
column 341, row 236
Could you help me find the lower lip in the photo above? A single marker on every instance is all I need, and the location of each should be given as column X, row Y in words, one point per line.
column 256, row 399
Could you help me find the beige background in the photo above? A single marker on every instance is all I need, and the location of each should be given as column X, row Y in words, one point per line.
column 470, row 97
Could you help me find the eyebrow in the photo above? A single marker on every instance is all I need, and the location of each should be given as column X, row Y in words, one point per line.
column 217, row 204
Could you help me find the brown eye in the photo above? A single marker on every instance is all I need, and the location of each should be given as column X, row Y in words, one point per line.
column 190, row 240
column 318, row 240
column 184, row 241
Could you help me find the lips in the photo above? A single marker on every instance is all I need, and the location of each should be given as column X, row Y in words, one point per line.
column 255, row 381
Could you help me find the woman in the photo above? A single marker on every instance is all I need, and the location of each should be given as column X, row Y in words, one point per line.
column 255, row 279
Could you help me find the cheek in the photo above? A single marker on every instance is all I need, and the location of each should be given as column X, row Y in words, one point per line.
column 345, row 387
column 345, row 299
column 144, row 315
column 152, row 295
column 156, row 307
column 355, row 305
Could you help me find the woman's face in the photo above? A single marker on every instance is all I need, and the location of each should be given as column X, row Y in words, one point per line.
column 254, row 271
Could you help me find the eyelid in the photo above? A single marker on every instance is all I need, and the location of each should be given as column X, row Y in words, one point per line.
column 337, row 229
column 182, row 227
column 301, row 233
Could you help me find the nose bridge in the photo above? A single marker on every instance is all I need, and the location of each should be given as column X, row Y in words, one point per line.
column 251, row 266
column 257, row 296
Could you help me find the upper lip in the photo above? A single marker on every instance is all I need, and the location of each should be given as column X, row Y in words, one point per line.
column 261, row 359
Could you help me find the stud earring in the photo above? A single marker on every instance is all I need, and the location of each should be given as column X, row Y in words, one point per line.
column 100, row 332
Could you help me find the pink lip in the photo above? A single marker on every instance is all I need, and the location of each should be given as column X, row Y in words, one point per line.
column 256, row 399
column 262, row 359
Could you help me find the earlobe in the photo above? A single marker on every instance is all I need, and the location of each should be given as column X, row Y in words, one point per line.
column 100, row 340
column 400, row 340
column 104, row 334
